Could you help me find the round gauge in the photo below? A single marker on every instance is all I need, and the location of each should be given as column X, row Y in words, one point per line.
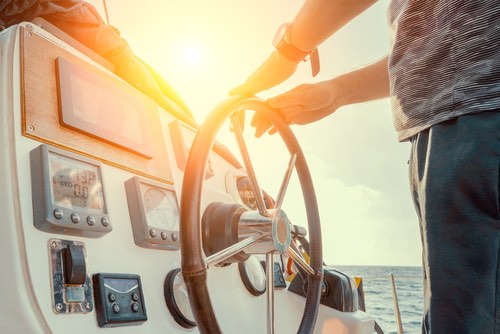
column 176, row 297
column 253, row 276
column 246, row 193
column 160, row 206
column 239, row 188
column 154, row 213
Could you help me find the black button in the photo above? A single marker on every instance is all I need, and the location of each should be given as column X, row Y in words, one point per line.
column 134, row 307
column 111, row 297
column 135, row 296
column 116, row 308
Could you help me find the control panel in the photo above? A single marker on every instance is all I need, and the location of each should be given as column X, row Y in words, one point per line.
column 91, row 173
column 119, row 300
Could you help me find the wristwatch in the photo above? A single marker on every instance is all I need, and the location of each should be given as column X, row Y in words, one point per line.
column 282, row 43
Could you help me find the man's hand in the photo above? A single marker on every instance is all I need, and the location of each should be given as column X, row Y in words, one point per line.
column 304, row 104
column 272, row 72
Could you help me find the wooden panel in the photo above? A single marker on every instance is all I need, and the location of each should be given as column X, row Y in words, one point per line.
column 52, row 29
column 41, row 112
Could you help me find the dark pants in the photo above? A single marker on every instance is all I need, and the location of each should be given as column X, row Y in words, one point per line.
column 454, row 175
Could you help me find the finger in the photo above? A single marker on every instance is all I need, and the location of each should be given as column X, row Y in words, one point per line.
column 260, row 123
column 259, row 131
column 259, row 120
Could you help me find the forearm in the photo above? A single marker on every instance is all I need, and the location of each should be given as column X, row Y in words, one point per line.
column 319, row 19
column 366, row 84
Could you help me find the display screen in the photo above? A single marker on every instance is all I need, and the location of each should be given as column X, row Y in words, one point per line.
column 160, row 206
column 103, row 107
column 75, row 184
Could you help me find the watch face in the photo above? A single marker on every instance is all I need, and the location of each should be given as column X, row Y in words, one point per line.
column 281, row 34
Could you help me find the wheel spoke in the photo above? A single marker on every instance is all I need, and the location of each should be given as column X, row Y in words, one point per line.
column 232, row 250
column 299, row 260
column 248, row 164
column 270, row 292
column 286, row 180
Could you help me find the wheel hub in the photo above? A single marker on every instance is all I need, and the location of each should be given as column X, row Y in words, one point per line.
column 275, row 231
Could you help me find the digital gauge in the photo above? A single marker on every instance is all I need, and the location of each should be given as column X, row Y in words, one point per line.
column 68, row 195
column 75, row 184
column 154, row 213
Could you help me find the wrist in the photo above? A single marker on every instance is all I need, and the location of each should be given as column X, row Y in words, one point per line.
column 344, row 88
column 282, row 59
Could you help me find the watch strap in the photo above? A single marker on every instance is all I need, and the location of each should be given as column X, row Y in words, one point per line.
column 293, row 53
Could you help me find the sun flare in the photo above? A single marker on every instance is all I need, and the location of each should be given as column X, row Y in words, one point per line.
column 192, row 55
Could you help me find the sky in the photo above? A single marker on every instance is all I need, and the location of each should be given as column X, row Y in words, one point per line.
column 205, row 48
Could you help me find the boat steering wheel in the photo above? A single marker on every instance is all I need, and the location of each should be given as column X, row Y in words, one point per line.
column 274, row 235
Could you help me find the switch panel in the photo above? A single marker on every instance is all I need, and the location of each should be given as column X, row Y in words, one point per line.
column 71, row 288
column 119, row 300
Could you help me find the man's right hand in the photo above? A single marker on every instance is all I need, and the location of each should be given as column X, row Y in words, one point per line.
column 305, row 104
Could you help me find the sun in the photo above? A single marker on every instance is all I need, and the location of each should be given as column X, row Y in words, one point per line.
column 192, row 55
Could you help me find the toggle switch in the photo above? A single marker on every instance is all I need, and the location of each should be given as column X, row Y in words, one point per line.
column 74, row 266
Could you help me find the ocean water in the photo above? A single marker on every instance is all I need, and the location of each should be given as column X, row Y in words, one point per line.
column 379, row 300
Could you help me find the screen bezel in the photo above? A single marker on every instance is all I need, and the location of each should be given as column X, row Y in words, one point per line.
column 71, row 118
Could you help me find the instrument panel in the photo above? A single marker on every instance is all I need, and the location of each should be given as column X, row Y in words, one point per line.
column 154, row 213
column 68, row 193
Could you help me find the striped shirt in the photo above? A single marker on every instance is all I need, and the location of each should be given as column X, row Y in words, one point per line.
column 445, row 61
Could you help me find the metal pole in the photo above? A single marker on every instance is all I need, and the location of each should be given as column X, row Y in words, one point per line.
column 232, row 250
column 238, row 133
column 286, row 180
column 396, row 305
column 270, row 292
column 106, row 11
column 299, row 260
